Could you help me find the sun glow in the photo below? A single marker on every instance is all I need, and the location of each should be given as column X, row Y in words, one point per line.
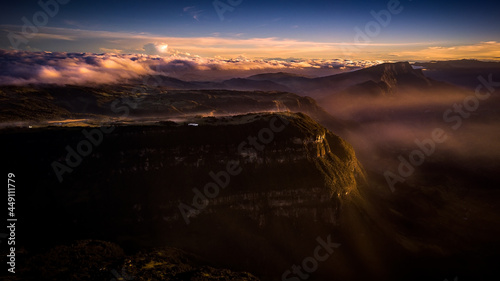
column 163, row 48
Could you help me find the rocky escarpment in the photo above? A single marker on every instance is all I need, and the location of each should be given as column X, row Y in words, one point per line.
column 45, row 104
column 48, row 102
column 251, row 184
column 397, row 76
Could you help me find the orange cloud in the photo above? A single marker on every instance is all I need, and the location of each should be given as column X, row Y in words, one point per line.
column 484, row 50
column 77, row 40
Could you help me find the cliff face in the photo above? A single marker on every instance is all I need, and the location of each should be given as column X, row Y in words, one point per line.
column 299, row 170
column 390, row 78
column 264, row 175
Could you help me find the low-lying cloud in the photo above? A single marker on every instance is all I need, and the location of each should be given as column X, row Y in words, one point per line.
column 22, row 67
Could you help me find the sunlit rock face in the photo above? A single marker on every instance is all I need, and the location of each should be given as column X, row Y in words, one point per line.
column 300, row 171
column 265, row 176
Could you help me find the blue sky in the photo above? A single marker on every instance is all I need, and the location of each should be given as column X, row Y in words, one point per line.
column 318, row 29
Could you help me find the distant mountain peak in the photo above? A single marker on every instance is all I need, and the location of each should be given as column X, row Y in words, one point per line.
column 397, row 74
column 395, row 68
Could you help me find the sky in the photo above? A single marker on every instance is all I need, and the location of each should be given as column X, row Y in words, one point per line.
column 414, row 30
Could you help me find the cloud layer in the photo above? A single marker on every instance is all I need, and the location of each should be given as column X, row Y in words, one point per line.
column 22, row 67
